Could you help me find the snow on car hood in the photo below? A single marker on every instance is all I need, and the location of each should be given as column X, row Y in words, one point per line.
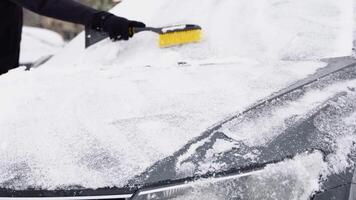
column 98, row 117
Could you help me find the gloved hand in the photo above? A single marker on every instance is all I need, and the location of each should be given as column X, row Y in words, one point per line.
column 118, row 28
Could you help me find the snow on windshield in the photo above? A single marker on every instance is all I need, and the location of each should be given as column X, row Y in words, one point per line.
column 98, row 117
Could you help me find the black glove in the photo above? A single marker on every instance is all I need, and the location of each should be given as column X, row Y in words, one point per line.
column 118, row 28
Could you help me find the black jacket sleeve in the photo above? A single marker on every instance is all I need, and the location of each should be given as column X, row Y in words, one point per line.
column 67, row 10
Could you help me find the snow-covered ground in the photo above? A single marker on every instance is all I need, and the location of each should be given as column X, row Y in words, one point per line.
column 98, row 117
column 38, row 42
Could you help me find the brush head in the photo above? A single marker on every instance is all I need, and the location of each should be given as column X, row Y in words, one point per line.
column 180, row 35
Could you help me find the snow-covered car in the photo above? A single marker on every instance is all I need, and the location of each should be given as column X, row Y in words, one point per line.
column 251, row 112
column 38, row 45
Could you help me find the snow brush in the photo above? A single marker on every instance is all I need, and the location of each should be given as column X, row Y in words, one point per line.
column 168, row 36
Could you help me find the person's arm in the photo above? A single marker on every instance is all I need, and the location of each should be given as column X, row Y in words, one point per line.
column 75, row 12
column 67, row 10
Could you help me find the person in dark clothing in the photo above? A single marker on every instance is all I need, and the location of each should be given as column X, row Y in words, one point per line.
column 67, row 10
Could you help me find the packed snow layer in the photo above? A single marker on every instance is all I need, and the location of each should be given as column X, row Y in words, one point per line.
column 98, row 117
column 38, row 42
column 287, row 29
column 272, row 29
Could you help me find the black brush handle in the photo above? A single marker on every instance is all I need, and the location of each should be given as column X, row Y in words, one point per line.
column 167, row 29
column 162, row 30
column 139, row 29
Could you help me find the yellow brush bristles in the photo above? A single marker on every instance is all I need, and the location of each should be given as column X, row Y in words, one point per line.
column 179, row 37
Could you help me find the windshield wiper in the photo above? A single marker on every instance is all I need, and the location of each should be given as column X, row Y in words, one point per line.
column 161, row 190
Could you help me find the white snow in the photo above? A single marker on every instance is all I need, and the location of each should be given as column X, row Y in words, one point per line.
column 100, row 116
column 38, row 42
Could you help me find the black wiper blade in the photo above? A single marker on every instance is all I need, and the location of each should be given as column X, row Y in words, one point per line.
column 172, row 188
column 101, row 193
